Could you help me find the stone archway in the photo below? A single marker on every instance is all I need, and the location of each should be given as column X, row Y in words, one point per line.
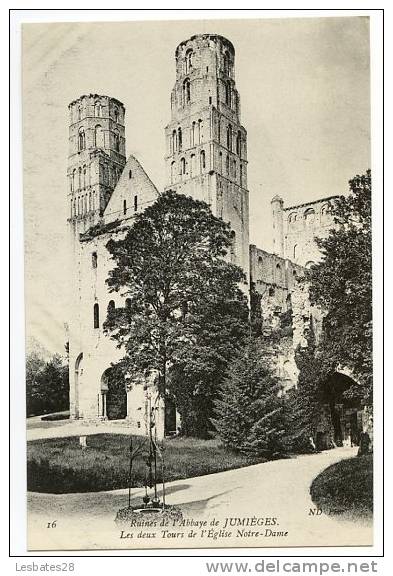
column 113, row 395
column 346, row 413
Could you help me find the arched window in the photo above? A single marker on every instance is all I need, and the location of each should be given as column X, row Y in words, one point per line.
column 96, row 315
column 182, row 166
column 188, row 61
column 228, row 94
column 116, row 141
column 124, row 207
column 130, row 174
column 200, row 132
column 135, row 203
column 227, row 165
column 173, row 171
column 98, row 137
column 116, row 115
column 186, row 91
column 179, row 139
column 78, row 206
column 227, row 64
column 81, row 139
column 174, row 139
column 202, row 160
column 79, row 178
column 84, row 176
column 292, row 218
column 220, row 162
column 229, row 138
column 111, row 306
column 309, row 216
column 295, row 251
column 193, row 134
column 73, row 179
column 98, row 110
column 192, row 165
column 278, row 274
column 239, row 143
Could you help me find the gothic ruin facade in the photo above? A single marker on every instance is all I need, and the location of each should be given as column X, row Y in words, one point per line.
column 206, row 158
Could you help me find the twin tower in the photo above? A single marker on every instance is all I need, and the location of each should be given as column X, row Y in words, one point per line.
column 206, row 145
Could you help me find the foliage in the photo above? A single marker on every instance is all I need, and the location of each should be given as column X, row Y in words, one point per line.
column 60, row 465
column 170, row 266
column 249, row 411
column 46, row 385
column 342, row 286
column 219, row 329
column 346, row 488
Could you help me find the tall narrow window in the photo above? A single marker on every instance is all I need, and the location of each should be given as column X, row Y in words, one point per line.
column 295, row 251
column 174, row 139
column 200, row 132
column 124, row 207
column 130, row 174
column 220, row 161
column 241, row 174
column 227, row 165
column 135, row 203
column 80, row 178
column 98, row 137
column 239, row 144
column 116, row 141
column 84, row 176
column 193, row 134
column 228, row 93
column 188, row 61
column 227, row 64
column 116, row 115
column 229, row 138
column 73, row 179
column 96, row 314
column 186, row 91
column 81, row 139
column 182, row 166
column 94, row 259
column 203, row 160
column 98, row 110
column 173, row 171
column 179, row 139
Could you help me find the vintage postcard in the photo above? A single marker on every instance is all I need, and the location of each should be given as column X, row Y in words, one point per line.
column 197, row 203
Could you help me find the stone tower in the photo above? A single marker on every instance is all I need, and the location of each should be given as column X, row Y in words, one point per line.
column 206, row 144
column 278, row 225
column 96, row 157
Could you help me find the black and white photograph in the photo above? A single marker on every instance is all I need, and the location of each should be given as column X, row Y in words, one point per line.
column 198, row 284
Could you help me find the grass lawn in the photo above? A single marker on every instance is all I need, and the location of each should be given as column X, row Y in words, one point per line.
column 346, row 488
column 60, row 465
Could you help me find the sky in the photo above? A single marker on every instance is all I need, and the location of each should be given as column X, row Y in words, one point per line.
column 305, row 103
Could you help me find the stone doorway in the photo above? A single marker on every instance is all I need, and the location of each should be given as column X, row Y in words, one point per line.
column 113, row 395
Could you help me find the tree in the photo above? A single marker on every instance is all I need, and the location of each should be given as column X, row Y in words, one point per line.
column 249, row 412
column 219, row 329
column 171, row 268
column 47, row 388
column 341, row 284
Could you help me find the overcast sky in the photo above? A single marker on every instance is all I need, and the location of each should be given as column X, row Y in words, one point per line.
column 304, row 89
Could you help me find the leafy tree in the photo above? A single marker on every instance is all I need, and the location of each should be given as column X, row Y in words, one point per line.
column 47, row 388
column 170, row 266
column 341, row 284
column 249, row 412
column 219, row 328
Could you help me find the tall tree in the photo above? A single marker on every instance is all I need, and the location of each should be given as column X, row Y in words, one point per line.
column 341, row 284
column 249, row 410
column 171, row 268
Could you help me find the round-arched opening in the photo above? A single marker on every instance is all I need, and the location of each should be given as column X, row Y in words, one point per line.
column 113, row 401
